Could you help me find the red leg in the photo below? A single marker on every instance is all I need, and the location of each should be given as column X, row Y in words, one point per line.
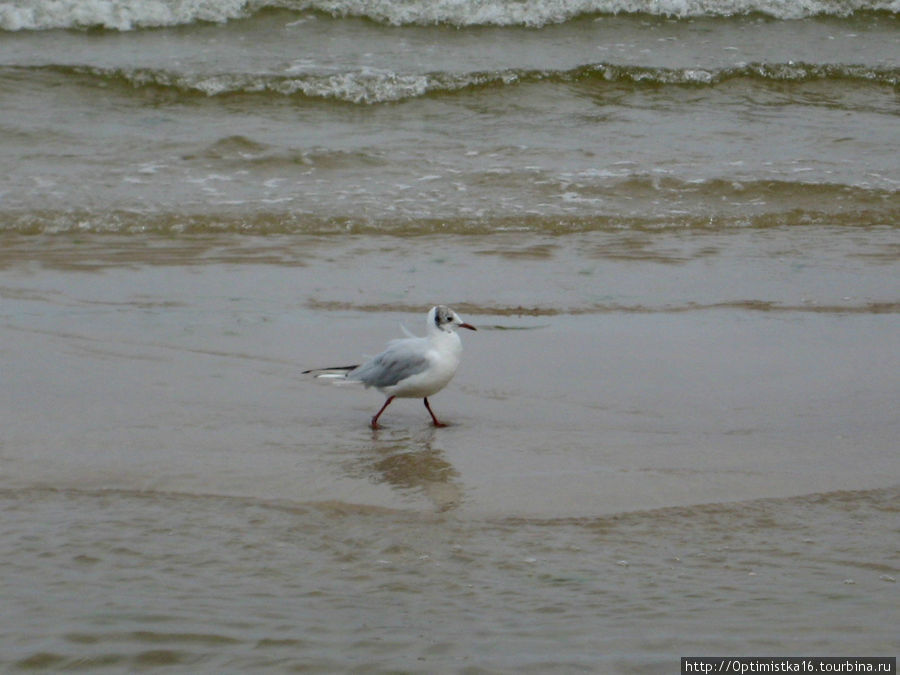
column 436, row 422
column 378, row 414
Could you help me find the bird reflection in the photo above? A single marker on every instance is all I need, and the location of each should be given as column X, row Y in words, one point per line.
column 412, row 464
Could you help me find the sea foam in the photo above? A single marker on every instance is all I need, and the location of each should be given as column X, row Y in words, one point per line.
column 121, row 15
column 124, row 15
column 373, row 86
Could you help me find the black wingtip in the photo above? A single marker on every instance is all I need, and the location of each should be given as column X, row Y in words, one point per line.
column 321, row 370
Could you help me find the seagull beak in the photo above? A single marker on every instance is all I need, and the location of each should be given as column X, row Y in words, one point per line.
column 467, row 325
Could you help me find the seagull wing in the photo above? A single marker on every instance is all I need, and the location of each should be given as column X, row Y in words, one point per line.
column 402, row 359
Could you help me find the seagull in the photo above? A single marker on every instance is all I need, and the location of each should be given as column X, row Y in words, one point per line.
column 410, row 367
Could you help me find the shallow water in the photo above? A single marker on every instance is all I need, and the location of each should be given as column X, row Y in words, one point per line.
column 626, row 478
column 132, row 580
column 674, row 433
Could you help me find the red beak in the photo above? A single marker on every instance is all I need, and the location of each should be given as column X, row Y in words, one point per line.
column 467, row 325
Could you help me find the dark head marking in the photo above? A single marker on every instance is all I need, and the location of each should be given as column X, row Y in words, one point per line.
column 442, row 316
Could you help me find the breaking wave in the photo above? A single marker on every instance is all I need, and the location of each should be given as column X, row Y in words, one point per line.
column 545, row 12
column 126, row 15
column 370, row 86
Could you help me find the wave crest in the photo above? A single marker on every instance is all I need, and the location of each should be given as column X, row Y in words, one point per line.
column 373, row 86
column 126, row 15
column 546, row 12
column 120, row 15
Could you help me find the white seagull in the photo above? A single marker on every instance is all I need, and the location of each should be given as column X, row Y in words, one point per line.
column 410, row 367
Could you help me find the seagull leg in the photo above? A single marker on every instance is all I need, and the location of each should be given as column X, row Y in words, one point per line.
column 436, row 422
column 378, row 414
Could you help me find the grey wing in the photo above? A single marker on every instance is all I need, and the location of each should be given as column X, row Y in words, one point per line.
column 402, row 359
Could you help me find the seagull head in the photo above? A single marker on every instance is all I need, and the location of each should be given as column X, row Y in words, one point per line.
column 445, row 319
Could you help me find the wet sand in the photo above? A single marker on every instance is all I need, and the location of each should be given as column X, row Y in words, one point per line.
column 632, row 472
column 575, row 398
